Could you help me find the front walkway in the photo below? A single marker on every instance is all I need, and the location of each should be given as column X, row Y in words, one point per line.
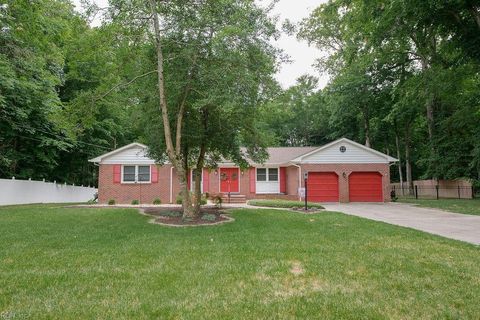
column 450, row 225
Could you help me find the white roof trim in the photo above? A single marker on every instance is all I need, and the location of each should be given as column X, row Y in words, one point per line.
column 378, row 153
column 108, row 154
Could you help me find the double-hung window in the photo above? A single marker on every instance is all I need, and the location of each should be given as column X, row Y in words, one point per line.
column 136, row 173
column 267, row 174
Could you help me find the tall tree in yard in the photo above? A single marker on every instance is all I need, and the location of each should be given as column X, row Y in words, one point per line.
column 213, row 65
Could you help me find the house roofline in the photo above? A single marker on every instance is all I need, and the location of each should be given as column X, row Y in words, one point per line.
column 378, row 153
column 108, row 154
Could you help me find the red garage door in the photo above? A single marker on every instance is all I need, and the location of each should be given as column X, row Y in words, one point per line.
column 322, row 187
column 365, row 187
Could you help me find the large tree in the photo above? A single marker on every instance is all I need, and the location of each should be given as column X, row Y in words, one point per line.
column 203, row 67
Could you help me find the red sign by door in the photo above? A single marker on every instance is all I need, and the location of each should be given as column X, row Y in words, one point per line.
column 229, row 180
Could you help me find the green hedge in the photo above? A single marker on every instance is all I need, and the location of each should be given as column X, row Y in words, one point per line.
column 274, row 203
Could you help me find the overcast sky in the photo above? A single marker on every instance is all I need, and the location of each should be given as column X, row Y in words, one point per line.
column 300, row 53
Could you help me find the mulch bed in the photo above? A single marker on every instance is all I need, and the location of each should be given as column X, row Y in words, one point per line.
column 173, row 216
column 308, row 211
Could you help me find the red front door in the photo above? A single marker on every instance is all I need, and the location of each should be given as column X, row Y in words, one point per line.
column 229, row 180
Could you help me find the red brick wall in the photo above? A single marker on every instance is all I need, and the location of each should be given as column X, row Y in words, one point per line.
column 146, row 193
column 125, row 193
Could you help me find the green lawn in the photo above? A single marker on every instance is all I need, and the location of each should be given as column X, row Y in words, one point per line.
column 111, row 264
column 276, row 203
column 465, row 206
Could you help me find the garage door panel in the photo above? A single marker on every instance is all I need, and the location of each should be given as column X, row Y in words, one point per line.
column 365, row 187
column 322, row 187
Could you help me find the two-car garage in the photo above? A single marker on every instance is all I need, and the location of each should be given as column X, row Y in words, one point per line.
column 362, row 187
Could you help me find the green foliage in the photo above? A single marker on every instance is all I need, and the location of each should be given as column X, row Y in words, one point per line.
column 135, row 202
column 403, row 73
column 218, row 200
column 157, row 201
column 173, row 214
column 111, row 202
column 209, row 217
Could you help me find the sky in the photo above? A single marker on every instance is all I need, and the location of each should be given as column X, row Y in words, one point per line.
column 301, row 55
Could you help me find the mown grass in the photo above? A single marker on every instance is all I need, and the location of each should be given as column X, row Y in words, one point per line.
column 277, row 203
column 111, row 264
column 465, row 206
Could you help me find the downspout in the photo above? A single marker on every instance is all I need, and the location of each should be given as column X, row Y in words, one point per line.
column 299, row 179
column 171, row 184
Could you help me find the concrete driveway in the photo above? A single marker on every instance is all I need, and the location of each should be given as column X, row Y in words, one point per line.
column 450, row 225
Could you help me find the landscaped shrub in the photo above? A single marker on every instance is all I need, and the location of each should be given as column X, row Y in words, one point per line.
column 157, row 201
column 279, row 203
column 209, row 217
column 172, row 214
column 179, row 199
column 111, row 202
column 135, row 202
column 218, row 200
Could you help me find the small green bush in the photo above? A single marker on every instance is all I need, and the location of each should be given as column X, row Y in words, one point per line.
column 135, row 202
column 179, row 199
column 157, row 201
column 111, row 202
column 279, row 203
column 209, row 217
column 173, row 214
column 218, row 200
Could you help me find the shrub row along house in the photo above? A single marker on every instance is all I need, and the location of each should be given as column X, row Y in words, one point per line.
column 341, row 171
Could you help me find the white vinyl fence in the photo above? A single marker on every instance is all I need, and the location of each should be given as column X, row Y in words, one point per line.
column 13, row 191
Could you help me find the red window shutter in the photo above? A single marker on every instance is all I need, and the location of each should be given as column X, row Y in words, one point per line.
column 117, row 172
column 252, row 180
column 206, row 180
column 154, row 173
column 283, row 180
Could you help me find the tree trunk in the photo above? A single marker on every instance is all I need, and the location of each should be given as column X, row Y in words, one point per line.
column 429, row 107
column 200, row 164
column 366, row 122
column 188, row 210
column 173, row 154
column 198, row 191
column 408, row 166
column 400, row 173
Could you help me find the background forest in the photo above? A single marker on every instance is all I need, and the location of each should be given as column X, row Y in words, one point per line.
column 405, row 80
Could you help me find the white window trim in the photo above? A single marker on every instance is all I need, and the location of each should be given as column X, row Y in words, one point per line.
column 268, row 180
column 136, row 174
column 267, row 173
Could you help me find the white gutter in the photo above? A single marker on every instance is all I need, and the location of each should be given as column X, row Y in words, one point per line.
column 299, row 179
column 171, row 184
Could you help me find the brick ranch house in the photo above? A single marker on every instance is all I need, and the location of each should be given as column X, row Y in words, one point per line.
column 341, row 171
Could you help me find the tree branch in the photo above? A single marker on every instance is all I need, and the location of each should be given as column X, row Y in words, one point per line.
column 123, row 85
column 161, row 88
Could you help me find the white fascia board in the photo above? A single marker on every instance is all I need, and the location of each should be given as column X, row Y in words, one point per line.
column 134, row 144
column 378, row 153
